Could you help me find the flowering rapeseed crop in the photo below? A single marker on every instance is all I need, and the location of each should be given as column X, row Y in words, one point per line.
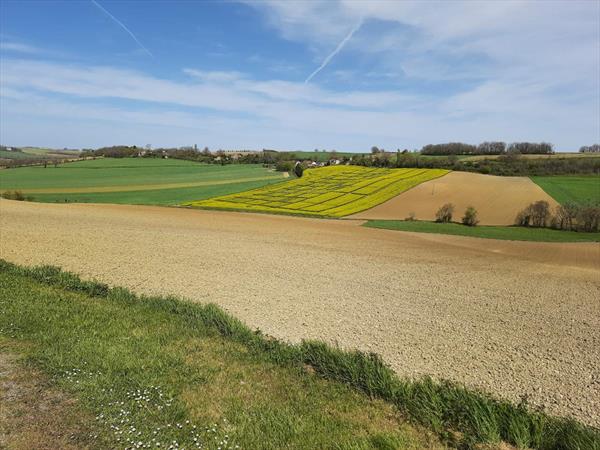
column 333, row 191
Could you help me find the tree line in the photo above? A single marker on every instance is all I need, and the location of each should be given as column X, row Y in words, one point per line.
column 487, row 148
column 509, row 164
column 569, row 216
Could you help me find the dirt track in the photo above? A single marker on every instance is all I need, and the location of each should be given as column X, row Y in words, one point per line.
column 497, row 199
column 513, row 318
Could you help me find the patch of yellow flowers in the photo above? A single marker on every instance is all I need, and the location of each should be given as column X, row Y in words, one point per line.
column 333, row 191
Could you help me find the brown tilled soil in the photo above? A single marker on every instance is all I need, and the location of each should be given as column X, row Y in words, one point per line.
column 497, row 199
column 518, row 319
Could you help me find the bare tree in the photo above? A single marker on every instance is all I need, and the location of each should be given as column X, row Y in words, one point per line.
column 470, row 218
column 444, row 214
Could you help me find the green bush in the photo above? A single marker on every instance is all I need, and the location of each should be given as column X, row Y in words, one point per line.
column 284, row 166
column 298, row 170
column 15, row 195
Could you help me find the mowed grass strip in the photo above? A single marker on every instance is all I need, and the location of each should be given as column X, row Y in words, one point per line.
column 333, row 191
column 574, row 189
column 512, row 233
column 150, row 364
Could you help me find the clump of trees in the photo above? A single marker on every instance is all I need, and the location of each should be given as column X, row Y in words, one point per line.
column 536, row 214
column 487, row 148
column 444, row 214
column 16, row 195
column 570, row 216
column 284, row 166
column 451, row 148
column 530, row 148
column 594, row 148
column 507, row 164
column 470, row 217
column 491, row 148
column 115, row 151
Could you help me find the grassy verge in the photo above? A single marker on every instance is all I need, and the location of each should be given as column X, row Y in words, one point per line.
column 576, row 189
column 160, row 372
column 486, row 232
column 151, row 364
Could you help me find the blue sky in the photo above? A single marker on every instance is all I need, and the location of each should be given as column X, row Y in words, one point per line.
column 238, row 74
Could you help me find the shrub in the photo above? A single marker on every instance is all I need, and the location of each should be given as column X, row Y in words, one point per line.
column 470, row 218
column 298, row 170
column 14, row 195
column 540, row 213
column 411, row 217
column 284, row 166
column 565, row 216
column 523, row 218
column 588, row 218
column 444, row 214
column 536, row 214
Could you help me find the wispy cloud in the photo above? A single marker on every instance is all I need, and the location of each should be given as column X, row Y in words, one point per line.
column 335, row 52
column 122, row 26
column 281, row 113
column 18, row 47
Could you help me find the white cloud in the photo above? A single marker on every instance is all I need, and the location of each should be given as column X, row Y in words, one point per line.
column 500, row 70
column 231, row 109
column 18, row 47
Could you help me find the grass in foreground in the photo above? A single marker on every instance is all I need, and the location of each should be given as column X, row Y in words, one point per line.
column 333, row 191
column 159, row 372
column 150, row 364
column 576, row 189
column 488, row 232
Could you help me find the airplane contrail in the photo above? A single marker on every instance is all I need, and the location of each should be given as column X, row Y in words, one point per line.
column 335, row 52
column 122, row 26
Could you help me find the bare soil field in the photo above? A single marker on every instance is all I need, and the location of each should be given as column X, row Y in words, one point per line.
column 517, row 319
column 497, row 199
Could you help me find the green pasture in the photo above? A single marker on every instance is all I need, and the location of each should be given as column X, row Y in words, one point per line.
column 567, row 188
column 117, row 179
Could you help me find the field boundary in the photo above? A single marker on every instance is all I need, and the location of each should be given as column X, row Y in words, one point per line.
column 509, row 233
column 464, row 417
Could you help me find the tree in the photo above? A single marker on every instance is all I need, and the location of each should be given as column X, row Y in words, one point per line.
column 536, row 214
column 540, row 213
column 444, row 214
column 374, row 150
column 565, row 215
column 298, row 169
column 594, row 148
column 470, row 218
column 588, row 218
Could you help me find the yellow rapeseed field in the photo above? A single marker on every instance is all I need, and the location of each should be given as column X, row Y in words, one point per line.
column 333, row 191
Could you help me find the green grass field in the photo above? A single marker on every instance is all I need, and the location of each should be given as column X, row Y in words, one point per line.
column 134, row 180
column 577, row 189
column 156, row 371
column 5, row 154
column 486, row 232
